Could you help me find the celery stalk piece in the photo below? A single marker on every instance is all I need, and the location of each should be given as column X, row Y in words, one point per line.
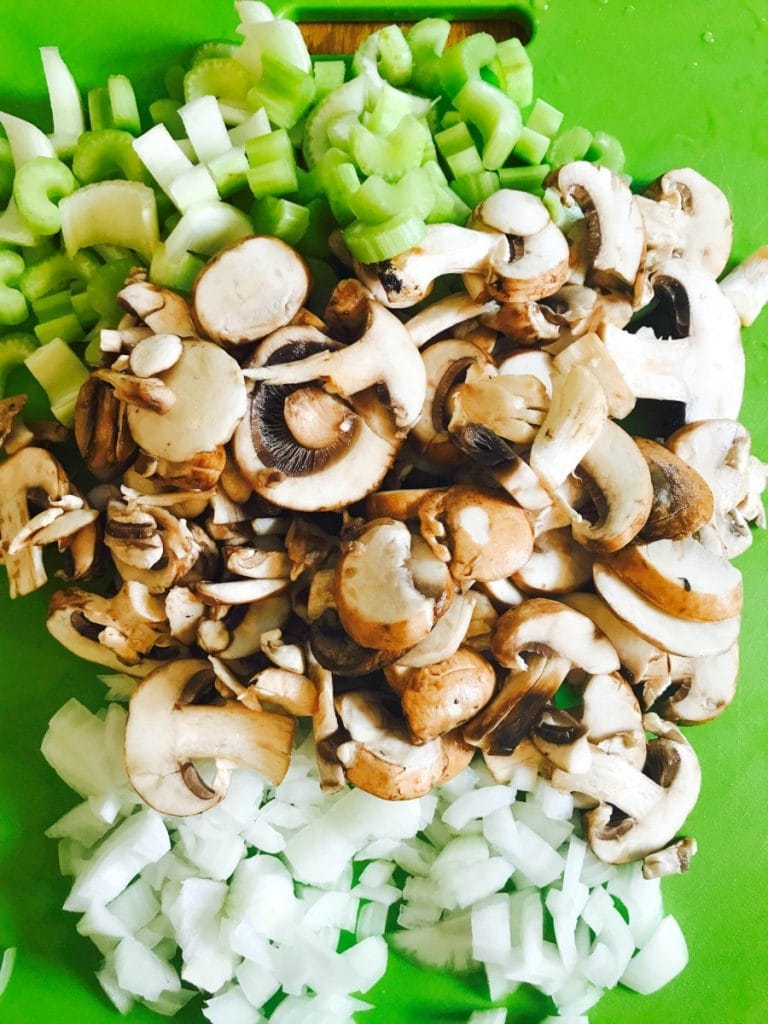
column 107, row 153
column 447, row 205
column 233, row 116
column 99, row 108
column 83, row 310
column 222, row 77
column 531, row 146
column 273, row 167
column 314, row 241
column 338, row 177
column 13, row 305
column 205, row 127
column 7, row 172
column 391, row 106
column 103, row 287
column 457, row 147
column 213, row 48
column 14, row 350
column 570, row 145
column 66, row 104
column 49, row 307
column 375, row 199
column 110, row 212
column 526, row 179
column 427, row 39
column 281, row 218
column 86, row 264
column 372, row 243
column 284, row 91
column 25, row 139
column 606, row 150
column 329, row 75
column 388, row 50
column 545, row 119
column 48, row 275
column 166, row 112
column 230, row 170
column 14, row 230
column 474, row 188
column 193, row 186
column 393, row 156
column 462, row 62
column 122, row 101
column 495, row 115
column 512, row 66
column 349, row 98
column 61, row 375
column 206, row 229
column 37, row 187
column 66, row 327
column 281, row 39
column 254, row 125
column 177, row 272
column 252, row 12
column 339, row 132
column 162, row 156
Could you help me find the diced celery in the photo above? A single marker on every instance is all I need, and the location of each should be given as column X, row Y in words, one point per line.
column 110, row 212
column 606, row 150
column 340, row 130
column 103, row 287
column 570, row 145
column 83, row 310
column 495, row 115
column 314, row 241
column 390, row 107
column 461, row 63
column 339, row 179
column 177, row 272
column 86, row 264
column 193, row 186
column 99, row 108
column 284, row 91
column 273, row 167
column 206, row 229
column 375, row 199
column 25, row 139
column 447, row 206
column 122, row 101
column 255, row 124
column 66, row 105
column 205, row 127
column 545, row 119
column 66, row 327
column 349, row 98
column 222, row 77
column 526, row 179
column 372, row 243
column 13, row 305
column 451, row 118
column 474, row 188
column 107, row 153
column 393, row 156
column 395, row 58
column 57, row 304
column 278, row 38
column 514, row 70
column 7, row 171
column 213, row 48
column 162, row 156
column 37, row 187
column 230, row 170
column 458, row 149
column 166, row 112
column 14, row 350
column 281, row 218
column 329, row 75
column 61, row 374
column 427, row 39
column 531, row 146
column 50, row 274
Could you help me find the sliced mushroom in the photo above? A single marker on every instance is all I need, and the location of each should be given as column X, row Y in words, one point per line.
column 444, row 314
column 292, row 691
column 258, row 564
column 155, row 354
column 184, row 611
column 167, row 732
column 337, row 652
column 674, row 859
column 200, row 473
column 162, row 310
column 101, row 430
column 390, row 588
column 612, row 718
column 380, row 758
column 635, row 653
column 702, row 687
column 746, row 286
column 557, row 564
column 445, row 637
column 260, row 617
column 513, row 407
column 682, row 499
column 704, row 365
column 11, row 424
column 401, row 504
column 590, row 352
column 149, row 544
column 562, row 740
column 481, row 535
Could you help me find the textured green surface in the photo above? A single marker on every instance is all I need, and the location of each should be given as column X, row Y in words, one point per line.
column 682, row 83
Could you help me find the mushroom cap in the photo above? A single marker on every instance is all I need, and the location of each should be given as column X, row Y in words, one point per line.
column 210, row 402
column 390, row 588
column 682, row 499
column 482, row 535
column 249, row 290
column 557, row 564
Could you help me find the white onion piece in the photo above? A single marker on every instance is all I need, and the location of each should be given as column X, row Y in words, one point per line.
column 659, row 961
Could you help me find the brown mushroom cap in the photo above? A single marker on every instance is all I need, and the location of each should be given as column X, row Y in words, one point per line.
column 682, row 499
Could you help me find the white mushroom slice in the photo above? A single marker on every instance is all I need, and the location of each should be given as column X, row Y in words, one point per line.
column 703, row 687
column 29, row 470
column 47, row 517
column 521, row 483
column 746, row 287
column 184, row 611
column 511, row 212
column 613, row 220
column 166, row 733
column 213, row 636
column 525, row 322
column 513, row 407
column 257, row 564
column 635, row 653
column 289, row 690
column 210, row 402
column 390, row 589
column 155, row 354
column 503, row 592
column 243, row 591
column 612, row 717
column 674, row 859
column 683, row 578
column 321, row 595
column 682, row 500
column 704, row 366
column 384, row 354
column 687, row 216
column 615, row 468
column 557, row 565
column 290, row 657
column 65, row 526
column 445, row 637
column 249, row 290
column 574, row 422
column 324, row 725
column 444, row 314
column 590, row 352
column 719, row 451
column 260, row 617
column 446, row 249
column 562, row 740
column 481, row 535
column 669, row 632
column 380, row 757
column 144, row 526
column 532, row 363
column 402, row 504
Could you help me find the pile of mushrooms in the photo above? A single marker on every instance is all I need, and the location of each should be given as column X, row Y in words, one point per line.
column 419, row 532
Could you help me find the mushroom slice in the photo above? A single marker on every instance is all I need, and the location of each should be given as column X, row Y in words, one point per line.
column 616, row 235
column 390, row 588
column 669, row 632
column 184, row 611
column 380, row 757
column 261, row 617
column 682, row 499
column 382, row 353
column 249, row 290
column 688, row 217
column 445, row 637
column 149, row 394
column 719, row 451
column 210, row 402
column 149, row 544
column 683, row 578
column 746, row 286
column 611, row 716
column 481, row 535
column 703, row 687
column 526, row 322
column 162, row 310
column 244, row 591
column 291, row 691
column 200, row 473
column 561, row 738
column 31, row 471
column 338, row 653
column 444, row 314
column 557, row 564
column 155, row 354
column 635, row 653
column 401, row 504
column 513, row 407
column 531, row 363
column 325, row 724
column 446, row 249
column 14, row 434
column 704, row 365
column 258, row 564
column 619, row 482
column 653, row 803
column 101, row 430
column 167, row 732
column 521, row 483
column 674, row 859
column 64, row 526
column 439, row 697
column 590, row 352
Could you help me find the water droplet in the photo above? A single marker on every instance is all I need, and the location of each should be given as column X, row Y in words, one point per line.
column 708, row 37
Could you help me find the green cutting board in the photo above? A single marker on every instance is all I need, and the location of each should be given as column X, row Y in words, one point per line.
column 680, row 83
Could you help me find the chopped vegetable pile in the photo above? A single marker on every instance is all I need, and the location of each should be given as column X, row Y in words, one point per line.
column 413, row 529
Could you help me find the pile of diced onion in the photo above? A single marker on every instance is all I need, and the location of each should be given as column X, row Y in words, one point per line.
column 280, row 897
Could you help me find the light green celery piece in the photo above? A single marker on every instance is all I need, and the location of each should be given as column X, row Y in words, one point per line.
column 92, row 354
column 606, row 150
column 222, row 77
column 462, row 62
column 99, row 108
column 61, row 375
column 193, row 186
column 66, row 327
column 14, row 230
column 349, row 98
column 162, row 156
column 205, row 127
column 450, row 119
column 230, row 170
column 213, row 48
column 339, row 179
column 280, row 218
column 166, row 112
column 206, row 229
column 390, row 107
column 372, row 243
column 177, row 272
column 83, row 309
column 6, row 967
column 273, row 166
column 457, row 147
column 395, row 58
column 277, row 38
column 7, row 171
column 526, row 179
column 447, row 206
column 309, row 185
column 103, row 287
column 427, row 39
column 108, row 153
column 329, row 75
column 285, row 92
column 113, row 213
column 25, row 139
column 393, row 156
column 48, row 275
column 474, row 188
column 514, row 71
column 544, row 119
column 531, row 146
column 14, row 350
column 37, row 188
column 66, row 104
column 122, row 101
column 375, row 199
column 254, row 125
column 570, row 145
column 496, row 117
column 13, row 305
column 339, row 132
column 49, row 307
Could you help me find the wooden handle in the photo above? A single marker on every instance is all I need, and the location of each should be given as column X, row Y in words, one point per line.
column 338, row 37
